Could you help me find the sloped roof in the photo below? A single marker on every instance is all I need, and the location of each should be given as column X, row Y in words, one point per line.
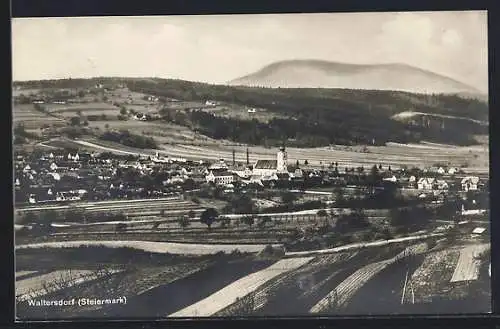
column 426, row 180
column 471, row 179
column 222, row 173
column 283, row 175
column 266, row 164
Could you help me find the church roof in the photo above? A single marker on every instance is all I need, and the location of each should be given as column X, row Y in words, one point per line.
column 266, row 164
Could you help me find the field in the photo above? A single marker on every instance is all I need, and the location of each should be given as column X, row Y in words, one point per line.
column 53, row 281
column 468, row 263
column 340, row 282
column 33, row 119
column 240, row 288
column 71, row 110
column 241, row 113
column 153, row 247
column 163, row 133
column 471, row 159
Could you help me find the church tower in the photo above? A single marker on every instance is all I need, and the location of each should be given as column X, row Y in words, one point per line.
column 282, row 160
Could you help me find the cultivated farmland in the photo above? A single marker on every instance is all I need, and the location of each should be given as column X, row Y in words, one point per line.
column 33, row 119
column 467, row 268
column 240, row 288
column 71, row 110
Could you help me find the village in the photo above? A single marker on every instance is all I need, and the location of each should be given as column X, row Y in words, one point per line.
column 60, row 176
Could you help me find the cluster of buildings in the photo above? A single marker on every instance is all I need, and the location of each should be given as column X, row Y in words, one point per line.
column 66, row 176
column 271, row 171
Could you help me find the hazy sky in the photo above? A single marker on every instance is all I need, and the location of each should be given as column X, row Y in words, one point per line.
column 217, row 49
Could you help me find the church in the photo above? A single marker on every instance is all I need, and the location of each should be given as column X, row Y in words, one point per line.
column 269, row 168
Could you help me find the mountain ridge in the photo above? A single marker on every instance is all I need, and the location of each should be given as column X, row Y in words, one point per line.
column 312, row 73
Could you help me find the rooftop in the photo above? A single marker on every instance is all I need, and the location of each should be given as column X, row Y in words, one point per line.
column 266, row 164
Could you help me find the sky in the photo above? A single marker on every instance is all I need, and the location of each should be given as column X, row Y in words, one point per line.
column 220, row 48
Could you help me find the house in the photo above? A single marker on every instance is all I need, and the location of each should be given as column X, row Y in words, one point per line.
column 441, row 171
column 392, row 179
column 425, row 183
column 221, row 165
column 441, row 184
column 220, row 177
column 53, row 166
column 252, row 111
column 470, row 183
column 452, row 171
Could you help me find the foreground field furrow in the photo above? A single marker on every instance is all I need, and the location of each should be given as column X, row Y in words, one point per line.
column 167, row 276
column 240, row 288
column 347, row 288
column 154, row 247
column 437, row 268
column 53, row 281
column 261, row 296
column 467, row 268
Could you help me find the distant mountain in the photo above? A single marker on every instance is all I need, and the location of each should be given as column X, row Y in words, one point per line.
column 326, row 74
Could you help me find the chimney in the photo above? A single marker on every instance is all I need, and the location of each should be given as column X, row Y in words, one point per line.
column 248, row 157
column 234, row 157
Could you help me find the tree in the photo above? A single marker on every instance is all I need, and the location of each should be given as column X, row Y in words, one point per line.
column 339, row 196
column 123, row 111
column 208, row 217
column 288, row 197
column 322, row 213
column 306, row 162
column 75, row 121
column 184, row 221
column 224, row 221
column 248, row 220
column 263, row 221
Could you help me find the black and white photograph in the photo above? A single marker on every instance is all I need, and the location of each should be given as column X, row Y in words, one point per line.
column 251, row 165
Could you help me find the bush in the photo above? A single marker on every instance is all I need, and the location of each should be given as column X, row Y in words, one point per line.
column 126, row 138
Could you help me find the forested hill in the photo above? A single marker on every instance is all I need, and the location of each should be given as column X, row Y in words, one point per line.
column 324, row 116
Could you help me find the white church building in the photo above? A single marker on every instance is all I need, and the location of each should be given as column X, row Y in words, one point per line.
column 268, row 168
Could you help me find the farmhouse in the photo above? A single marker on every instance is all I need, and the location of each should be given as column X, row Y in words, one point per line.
column 441, row 184
column 470, row 183
column 425, row 183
